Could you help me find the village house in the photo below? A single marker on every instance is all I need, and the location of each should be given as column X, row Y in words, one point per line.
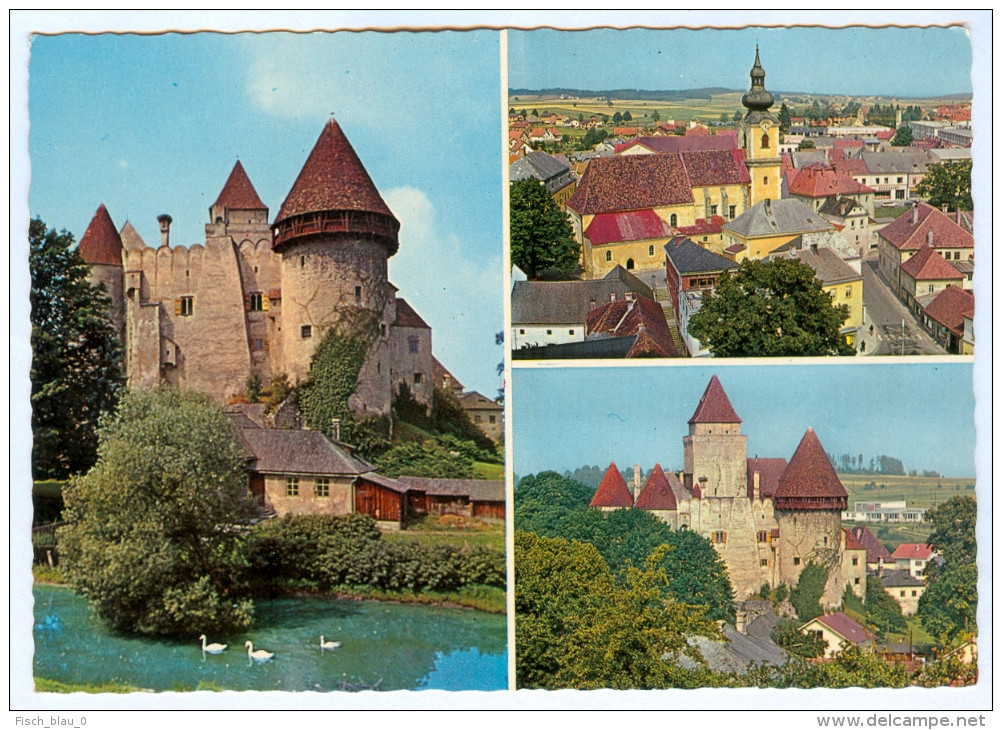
column 554, row 171
column 816, row 183
column 913, row 557
column 484, row 413
column 691, row 271
column 838, row 632
column 904, row 588
column 631, row 239
column 768, row 225
column 480, row 498
column 638, row 318
column 876, row 554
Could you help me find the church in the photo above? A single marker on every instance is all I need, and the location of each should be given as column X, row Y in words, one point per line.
column 766, row 517
column 259, row 295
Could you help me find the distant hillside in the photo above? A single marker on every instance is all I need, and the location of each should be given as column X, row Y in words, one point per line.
column 632, row 94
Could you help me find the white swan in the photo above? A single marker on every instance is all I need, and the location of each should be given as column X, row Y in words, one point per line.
column 212, row 648
column 330, row 645
column 260, row 655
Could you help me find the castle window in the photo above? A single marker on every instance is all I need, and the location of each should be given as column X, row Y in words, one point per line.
column 855, row 581
column 254, row 303
column 417, row 378
column 306, row 331
column 476, row 418
column 608, row 255
column 185, row 306
column 731, row 211
column 763, row 562
column 673, row 220
column 765, row 180
column 258, row 344
column 492, row 419
column 302, row 261
column 719, row 537
column 796, row 561
column 323, row 488
column 763, row 536
column 382, row 329
column 291, row 487
column 358, row 295
column 413, row 344
column 855, row 561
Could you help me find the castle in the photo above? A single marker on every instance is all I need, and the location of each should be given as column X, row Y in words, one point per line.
column 767, row 518
column 260, row 296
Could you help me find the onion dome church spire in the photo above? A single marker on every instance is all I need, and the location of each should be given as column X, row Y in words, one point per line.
column 334, row 195
column 757, row 99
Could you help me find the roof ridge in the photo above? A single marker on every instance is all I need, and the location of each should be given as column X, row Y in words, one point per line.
column 239, row 192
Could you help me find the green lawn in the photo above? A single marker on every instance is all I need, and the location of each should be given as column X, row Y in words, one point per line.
column 916, row 491
column 428, row 532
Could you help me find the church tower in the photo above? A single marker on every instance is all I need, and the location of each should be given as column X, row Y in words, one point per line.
column 760, row 139
column 715, row 451
column 335, row 234
column 808, row 504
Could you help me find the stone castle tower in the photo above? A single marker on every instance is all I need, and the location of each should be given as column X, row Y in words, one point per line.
column 759, row 138
column 715, row 451
column 260, row 296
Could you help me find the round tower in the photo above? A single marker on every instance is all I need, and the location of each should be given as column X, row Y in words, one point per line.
column 760, row 138
column 101, row 247
column 335, row 234
column 808, row 504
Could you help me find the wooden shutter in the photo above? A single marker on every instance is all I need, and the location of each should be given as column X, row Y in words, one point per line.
column 247, row 302
column 177, row 307
column 264, row 302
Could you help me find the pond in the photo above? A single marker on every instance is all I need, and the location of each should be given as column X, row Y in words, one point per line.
column 386, row 646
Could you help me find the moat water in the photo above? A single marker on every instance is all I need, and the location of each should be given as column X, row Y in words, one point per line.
column 383, row 645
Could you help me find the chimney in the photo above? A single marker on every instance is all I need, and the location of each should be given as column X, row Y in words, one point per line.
column 592, row 305
column 336, row 429
column 928, row 237
column 636, row 481
column 946, row 208
column 756, row 486
column 814, row 249
column 612, row 296
column 165, row 221
column 768, row 206
column 740, row 621
column 629, row 296
column 915, row 215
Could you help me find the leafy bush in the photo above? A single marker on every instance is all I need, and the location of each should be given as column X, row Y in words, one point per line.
column 423, row 460
column 806, row 596
column 449, row 417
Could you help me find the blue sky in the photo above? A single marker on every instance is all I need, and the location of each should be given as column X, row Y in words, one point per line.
column 921, row 413
column 154, row 124
column 889, row 61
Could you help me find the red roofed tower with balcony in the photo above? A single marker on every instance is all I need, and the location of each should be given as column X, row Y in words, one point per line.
column 612, row 492
column 101, row 247
column 335, row 235
column 715, row 451
column 808, row 503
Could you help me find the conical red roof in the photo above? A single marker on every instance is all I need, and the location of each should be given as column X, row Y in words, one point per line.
column 714, row 406
column 101, row 243
column 809, row 476
column 238, row 193
column 657, row 492
column 333, row 178
column 612, row 492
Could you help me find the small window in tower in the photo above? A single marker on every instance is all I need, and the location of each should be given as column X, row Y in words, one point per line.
column 382, row 329
column 255, row 269
column 492, row 419
column 855, row 581
column 796, row 561
column 719, row 537
column 765, row 180
column 302, row 261
column 413, row 345
column 187, row 306
column 358, row 295
column 764, row 562
column 608, row 255
column 254, row 302
column 763, row 536
column 417, row 378
column 765, row 140
column 306, row 331
column 855, row 561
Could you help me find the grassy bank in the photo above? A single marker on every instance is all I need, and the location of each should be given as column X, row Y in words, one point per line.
column 51, row 685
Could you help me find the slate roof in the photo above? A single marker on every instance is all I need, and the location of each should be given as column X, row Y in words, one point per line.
column 895, row 162
column 478, row 490
column 131, row 238
column 568, row 302
column 950, row 306
column 657, row 492
column 912, row 551
column 928, row 265
column 612, row 491
column 554, row 171
column 333, row 178
column 688, row 143
column 769, row 472
column 820, row 181
column 101, row 243
column 714, row 406
column 407, row 317
column 238, row 192
column 641, row 317
column 828, row 267
column 840, row 207
column 736, row 652
column 292, row 451
column 777, row 217
column 875, row 550
column 809, row 475
column 634, row 225
column 899, row 579
column 845, row 627
column 473, row 399
column 691, row 258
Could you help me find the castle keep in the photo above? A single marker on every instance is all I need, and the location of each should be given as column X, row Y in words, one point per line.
column 767, row 518
column 260, row 296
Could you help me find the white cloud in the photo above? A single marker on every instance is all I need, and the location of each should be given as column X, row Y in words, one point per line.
column 124, row 164
column 458, row 295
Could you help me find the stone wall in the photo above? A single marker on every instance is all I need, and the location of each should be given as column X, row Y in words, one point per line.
column 717, row 452
column 306, row 502
column 814, row 535
column 411, row 361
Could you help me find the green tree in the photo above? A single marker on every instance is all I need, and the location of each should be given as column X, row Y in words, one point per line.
column 617, row 117
column 881, row 609
column 784, row 117
column 805, row 144
column 655, row 117
column 150, row 538
column 770, row 308
column 806, row 595
column 948, row 606
column 627, row 117
column 737, row 116
column 449, row 417
column 949, row 184
column 426, row 459
column 953, row 533
column 541, row 235
column 725, row 117
column 76, row 357
column 902, row 137
column 787, row 634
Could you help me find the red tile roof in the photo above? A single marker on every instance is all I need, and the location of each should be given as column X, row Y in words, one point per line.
column 912, row 551
column 612, row 491
column 442, row 377
column 845, row 627
column 851, row 541
column 875, row 550
column 634, row 225
column 657, row 492
column 642, row 317
column 333, row 178
column 407, row 317
column 810, row 476
column 703, row 227
column 910, row 230
column 928, row 265
column 714, row 406
column 238, row 193
column 632, row 182
column 950, row 307
column 820, row 181
column 716, row 167
column 769, row 472
column 101, row 243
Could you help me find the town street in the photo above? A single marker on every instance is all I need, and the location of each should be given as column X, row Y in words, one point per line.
column 884, row 314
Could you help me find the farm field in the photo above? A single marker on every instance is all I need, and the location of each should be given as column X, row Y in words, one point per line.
column 642, row 110
column 916, row 491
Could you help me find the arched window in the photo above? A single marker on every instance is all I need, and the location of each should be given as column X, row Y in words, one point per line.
column 608, row 255
column 629, row 263
column 650, row 250
column 673, row 221
column 765, row 141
